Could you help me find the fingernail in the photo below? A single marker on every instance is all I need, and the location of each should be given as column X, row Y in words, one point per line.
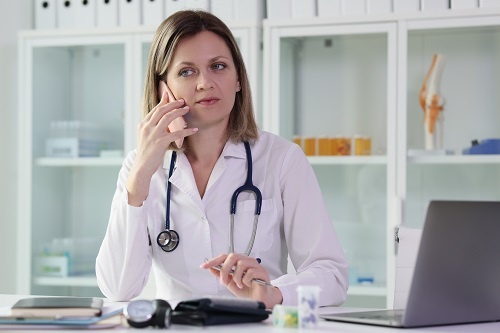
column 186, row 107
column 180, row 100
column 195, row 129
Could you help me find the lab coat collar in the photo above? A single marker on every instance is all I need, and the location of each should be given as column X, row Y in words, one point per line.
column 183, row 171
column 231, row 149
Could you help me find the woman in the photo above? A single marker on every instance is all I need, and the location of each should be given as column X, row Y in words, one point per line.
column 196, row 76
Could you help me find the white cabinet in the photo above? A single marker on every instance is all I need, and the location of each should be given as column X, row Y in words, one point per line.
column 362, row 76
column 71, row 84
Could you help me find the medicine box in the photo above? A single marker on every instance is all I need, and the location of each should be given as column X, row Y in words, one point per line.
column 73, row 147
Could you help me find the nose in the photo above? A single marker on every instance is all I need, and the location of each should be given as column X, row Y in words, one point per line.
column 205, row 82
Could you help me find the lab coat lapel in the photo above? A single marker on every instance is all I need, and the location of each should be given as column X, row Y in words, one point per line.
column 230, row 150
column 183, row 179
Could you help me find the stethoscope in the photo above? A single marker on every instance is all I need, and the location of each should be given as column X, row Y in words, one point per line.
column 168, row 240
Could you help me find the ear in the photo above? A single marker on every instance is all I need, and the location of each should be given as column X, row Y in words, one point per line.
column 238, row 86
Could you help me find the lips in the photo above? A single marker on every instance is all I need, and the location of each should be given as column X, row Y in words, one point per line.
column 208, row 101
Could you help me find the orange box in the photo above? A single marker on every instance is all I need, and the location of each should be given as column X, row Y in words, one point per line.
column 367, row 146
column 309, row 146
column 324, row 146
column 359, row 145
column 297, row 140
column 343, row 146
column 334, row 146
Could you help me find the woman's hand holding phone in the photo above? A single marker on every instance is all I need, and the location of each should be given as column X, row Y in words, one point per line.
column 178, row 123
column 153, row 141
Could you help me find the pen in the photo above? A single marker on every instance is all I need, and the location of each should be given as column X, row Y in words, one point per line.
column 259, row 281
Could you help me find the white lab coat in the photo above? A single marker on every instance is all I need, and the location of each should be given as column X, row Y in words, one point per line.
column 294, row 221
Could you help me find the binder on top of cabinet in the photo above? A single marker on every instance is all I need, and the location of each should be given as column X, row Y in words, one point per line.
column 129, row 13
column 45, row 14
column 76, row 14
column 329, row 8
column 107, row 13
column 152, row 12
column 489, row 3
column 378, row 7
column 66, row 13
column 281, row 8
column 250, row 9
column 85, row 13
column 172, row 6
column 198, row 4
column 406, row 6
column 353, row 7
column 430, row 5
column 464, row 4
column 304, row 8
column 223, row 9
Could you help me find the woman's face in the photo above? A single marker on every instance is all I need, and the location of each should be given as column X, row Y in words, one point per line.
column 203, row 73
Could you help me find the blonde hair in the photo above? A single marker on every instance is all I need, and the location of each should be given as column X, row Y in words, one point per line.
column 178, row 26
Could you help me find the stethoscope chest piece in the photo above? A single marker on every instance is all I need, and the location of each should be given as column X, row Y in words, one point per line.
column 168, row 240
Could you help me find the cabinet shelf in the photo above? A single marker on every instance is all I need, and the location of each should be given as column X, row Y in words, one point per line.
column 367, row 291
column 86, row 161
column 455, row 159
column 73, row 281
column 347, row 160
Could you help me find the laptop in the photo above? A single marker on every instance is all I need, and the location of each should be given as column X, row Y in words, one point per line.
column 456, row 278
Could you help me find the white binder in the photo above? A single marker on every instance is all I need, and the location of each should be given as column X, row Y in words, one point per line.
column 464, row 4
column 172, row 6
column 85, row 13
column 353, row 7
column 107, row 13
column 374, row 7
column 66, row 10
column 304, row 8
column 431, row 5
column 129, row 13
column 406, row 6
column 329, row 8
column 45, row 14
column 152, row 12
column 249, row 9
column 279, row 8
column 489, row 3
column 198, row 4
column 223, row 9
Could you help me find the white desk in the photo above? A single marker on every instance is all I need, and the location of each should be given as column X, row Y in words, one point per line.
column 267, row 326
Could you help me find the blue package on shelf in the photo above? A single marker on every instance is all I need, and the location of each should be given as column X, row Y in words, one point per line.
column 489, row 146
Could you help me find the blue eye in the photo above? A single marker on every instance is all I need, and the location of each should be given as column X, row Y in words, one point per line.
column 186, row 72
column 218, row 66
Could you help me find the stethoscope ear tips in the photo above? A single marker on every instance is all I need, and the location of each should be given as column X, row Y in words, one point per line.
column 168, row 240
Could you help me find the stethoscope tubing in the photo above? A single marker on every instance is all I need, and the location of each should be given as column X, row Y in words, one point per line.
column 168, row 240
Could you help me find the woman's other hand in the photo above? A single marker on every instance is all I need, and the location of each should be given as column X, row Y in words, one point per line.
column 240, row 281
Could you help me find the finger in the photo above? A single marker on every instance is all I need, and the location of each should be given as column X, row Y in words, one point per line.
column 214, row 261
column 251, row 274
column 161, row 110
column 163, row 101
column 180, row 135
column 241, row 269
column 227, row 268
column 170, row 94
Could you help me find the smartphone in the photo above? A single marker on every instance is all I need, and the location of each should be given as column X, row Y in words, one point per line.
column 178, row 123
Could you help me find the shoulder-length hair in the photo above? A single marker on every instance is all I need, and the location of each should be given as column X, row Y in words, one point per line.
column 178, row 26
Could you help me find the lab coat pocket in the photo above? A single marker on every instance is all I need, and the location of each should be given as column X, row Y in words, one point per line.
column 267, row 226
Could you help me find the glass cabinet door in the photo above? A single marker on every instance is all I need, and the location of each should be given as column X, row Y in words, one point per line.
column 469, row 88
column 331, row 90
column 76, row 124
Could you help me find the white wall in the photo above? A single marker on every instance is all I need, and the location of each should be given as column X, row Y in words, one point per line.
column 15, row 15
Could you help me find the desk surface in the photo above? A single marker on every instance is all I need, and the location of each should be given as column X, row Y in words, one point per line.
column 267, row 326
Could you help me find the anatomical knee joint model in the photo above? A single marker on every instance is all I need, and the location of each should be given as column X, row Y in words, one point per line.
column 432, row 103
